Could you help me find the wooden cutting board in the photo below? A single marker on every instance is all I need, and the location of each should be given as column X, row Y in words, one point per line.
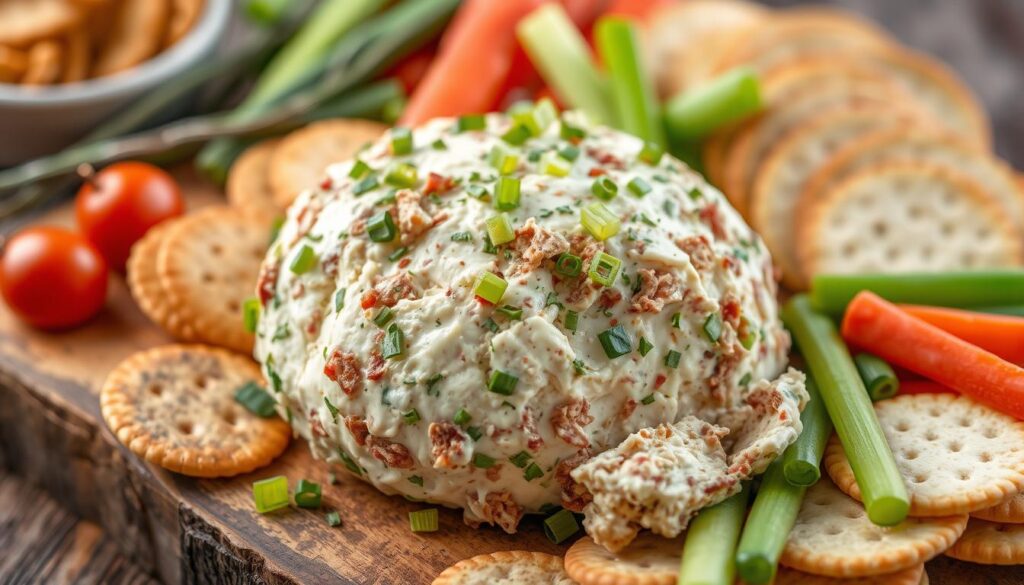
column 206, row 531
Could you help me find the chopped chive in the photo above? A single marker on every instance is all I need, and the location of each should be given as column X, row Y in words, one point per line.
column 572, row 320
column 308, row 494
column 568, row 265
column 675, row 319
column 393, row 344
column 398, row 253
column 691, row 115
column 800, row 462
column 615, row 341
column 490, row 287
column 638, row 187
column 462, row 237
column 555, row 165
column 256, row 400
column 552, row 300
column 330, row 407
column 482, row 461
column 477, row 191
column 411, row 417
column 536, row 118
column 359, row 170
column 381, row 227
column 470, row 122
column 423, row 520
column 402, row 175
column 510, row 312
column 251, row 314
column 517, row 135
column 502, row 383
column 651, row 153
column 439, row 144
column 462, row 417
column 561, row 525
column 713, row 327
column 474, row 433
column 672, row 358
column 749, row 337
column 599, row 221
column 580, row 367
column 502, row 159
column 532, row 472
column 520, row 459
column 333, row 518
column 645, row 346
column 304, row 261
column 350, row 463
column 365, row 185
column 339, row 300
column 646, row 400
column 499, row 229
column 569, row 153
column 270, row 494
column 416, row 480
column 695, row 194
column 491, row 325
column 506, row 193
column 401, row 141
column 604, row 268
column 878, row 376
column 604, row 188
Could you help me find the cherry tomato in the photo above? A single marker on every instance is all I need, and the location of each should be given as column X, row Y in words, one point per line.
column 53, row 278
column 118, row 205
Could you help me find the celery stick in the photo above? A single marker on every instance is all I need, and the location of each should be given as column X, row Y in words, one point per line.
column 711, row 542
column 697, row 112
column 877, row 375
column 830, row 293
column 560, row 54
column 632, row 90
column 771, row 518
column 801, row 460
column 884, row 494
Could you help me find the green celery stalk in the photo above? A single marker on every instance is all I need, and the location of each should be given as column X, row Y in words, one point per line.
column 697, row 112
column 884, row 493
column 768, row 525
column 711, row 542
column 877, row 375
column 802, row 459
column 561, row 55
column 266, row 12
column 632, row 90
column 830, row 293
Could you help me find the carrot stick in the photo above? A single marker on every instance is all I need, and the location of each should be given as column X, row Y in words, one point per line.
column 900, row 338
column 474, row 60
column 1002, row 335
column 922, row 387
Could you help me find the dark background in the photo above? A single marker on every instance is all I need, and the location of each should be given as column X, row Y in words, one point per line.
column 983, row 40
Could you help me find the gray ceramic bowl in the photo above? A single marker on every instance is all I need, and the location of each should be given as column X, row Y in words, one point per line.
column 38, row 121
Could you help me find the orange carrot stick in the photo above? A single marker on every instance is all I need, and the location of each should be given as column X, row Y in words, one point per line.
column 1002, row 335
column 922, row 387
column 900, row 338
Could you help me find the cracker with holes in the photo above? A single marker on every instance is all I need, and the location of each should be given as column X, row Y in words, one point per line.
column 174, row 406
column 833, row 537
column 248, row 184
column 514, row 567
column 208, row 266
column 136, row 34
column 145, row 286
column 1010, row 511
column 648, row 560
column 299, row 161
column 912, row 576
column 955, row 455
column 990, row 543
column 905, row 217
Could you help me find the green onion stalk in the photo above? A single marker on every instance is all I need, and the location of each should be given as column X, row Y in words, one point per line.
column 884, row 493
column 633, row 93
column 802, row 459
column 711, row 542
column 728, row 98
column 830, row 293
column 877, row 375
column 771, row 518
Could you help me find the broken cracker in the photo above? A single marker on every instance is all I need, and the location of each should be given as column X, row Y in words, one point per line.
column 514, row 567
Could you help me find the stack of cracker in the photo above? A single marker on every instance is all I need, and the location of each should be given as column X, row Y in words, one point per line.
column 868, row 157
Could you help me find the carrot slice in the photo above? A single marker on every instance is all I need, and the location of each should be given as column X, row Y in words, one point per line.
column 903, row 339
column 473, row 62
column 1002, row 335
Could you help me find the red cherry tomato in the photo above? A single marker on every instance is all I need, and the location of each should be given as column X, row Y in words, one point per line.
column 53, row 278
column 118, row 205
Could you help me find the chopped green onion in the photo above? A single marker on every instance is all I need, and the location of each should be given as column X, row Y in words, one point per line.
column 569, row 152
column 308, row 494
column 520, row 459
column 710, row 545
column 561, row 55
column 802, row 459
column 749, row 337
column 339, row 300
column 251, row 314
column 574, row 135
column 676, row 317
column 713, row 327
column 884, row 493
column 490, row 287
column 572, row 320
column 491, row 325
column 256, row 400
column 651, row 154
column 561, row 525
column 877, row 375
column 416, row 480
column 470, row 122
column 647, row 400
column 645, row 346
column 393, row 344
column 532, row 472
column 697, row 112
column 462, row 237
column 462, row 417
column 604, row 188
column 830, row 293
column 510, row 312
column 411, row 417
column 506, row 193
column 771, row 518
column 402, row 175
column 502, row 159
column 499, row 229
column 270, row 494
column 474, row 433
column 304, row 261
column 482, row 461
column 423, row 520
column 333, row 518
column 365, row 185
column 672, row 358
column 359, row 170
column 599, row 221
column 632, row 89
column 604, row 268
column 502, row 383
column 401, row 141
column 439, row 144
column 398, row 253
column 517, row 135
column 551, row 163
column 381, row 228
column 638, row 187
column 331, row 408
column 568, row 265
column 615, row 342
column 537, row 118
column 477, row 191
column 350, row 463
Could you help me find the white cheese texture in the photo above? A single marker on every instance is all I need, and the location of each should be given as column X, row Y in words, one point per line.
column 695, row 295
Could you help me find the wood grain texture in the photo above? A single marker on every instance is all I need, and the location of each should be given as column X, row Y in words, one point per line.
column 185, row 530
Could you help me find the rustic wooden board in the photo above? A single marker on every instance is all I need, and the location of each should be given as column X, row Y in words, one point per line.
column 206, row 531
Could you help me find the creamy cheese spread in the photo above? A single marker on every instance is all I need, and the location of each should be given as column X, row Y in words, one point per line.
column 389, row 358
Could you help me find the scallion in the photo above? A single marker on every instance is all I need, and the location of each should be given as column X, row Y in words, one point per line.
column 510, row 312
column 551, row 163
column 615, row 342
column 710, row 545
column 697, row 112
column 599, row 221
column 517, row 135
column 381, row 228
column 768, row 525
column 402, row 175
column 502, row 159
column 499, row 229
column 672, row 359
column 359, row 170
column 462, row 417
column 568, row 265
column 604, row 188
column 877, row 375
column 365, row 185
column 713, row 327
column 308, row 494
column 471, row 122
column 638, row 187
column 521, row 459
column 632, row 89
column 411, row 417
column 401, row 141
column 561, row 525
column 644, row 347
column 393, row 344
column 801, row 460
column 502, row 383
column 251, row 314
column 270, row 494
column 604, row 268
column 481, row 461
column 423, row 520
column 572, row 320
column 506, row 193
column 490, row 287
column 532, row 472
column 333, row 518
column 304, row 261
column 651, row 153
column 256, row 400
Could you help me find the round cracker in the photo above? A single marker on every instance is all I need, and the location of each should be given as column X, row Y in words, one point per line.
column 911, row 576
column 834, row 537
column 787, row 166
column 79, row 56
column 248, row 185
column 136, row 35
column 955, row 455
column 712, row 155
column 514, row 567
column 145, row 286
column 1010, row 511
column 13, row 64
column 26, row 22
column 299, row 161
column 899, row 217
column 208, row 266
column 648, row 560
column 990, row 543
column 174, row 406
column 45, row 63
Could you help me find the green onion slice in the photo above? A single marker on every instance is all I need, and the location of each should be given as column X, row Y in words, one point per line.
column 411, row 417
column 512, row 313
column 423, row 520
column 393, row 344
column 401, row 141
column 521, row 459
column 256, row 400
column 308, row 494
column 551, row 163
column 490, row 287
column 572, row 320
column 359, row 170
column 333, row 518
column 383, row 317
column 651, row 153
column 499, row 229
column 638, row 187
column 615, row 342
column 568, row 265
column 713, row 327
column 561, row 525
column 672, row 358
column 502, row 383
column 304, row 261
column 381, row 227
column 645, row 346
column 462, row 417
column 470, row 122
column 482, row 461
column 532, row 472
column 502, row 159
column 599, row 221
column 604, row 188
column 604, row 268
column 270, row 494
column 506, row 197
column 251, row 314
column 402, row 175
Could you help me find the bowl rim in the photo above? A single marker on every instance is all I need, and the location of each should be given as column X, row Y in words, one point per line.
column 205, row 34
